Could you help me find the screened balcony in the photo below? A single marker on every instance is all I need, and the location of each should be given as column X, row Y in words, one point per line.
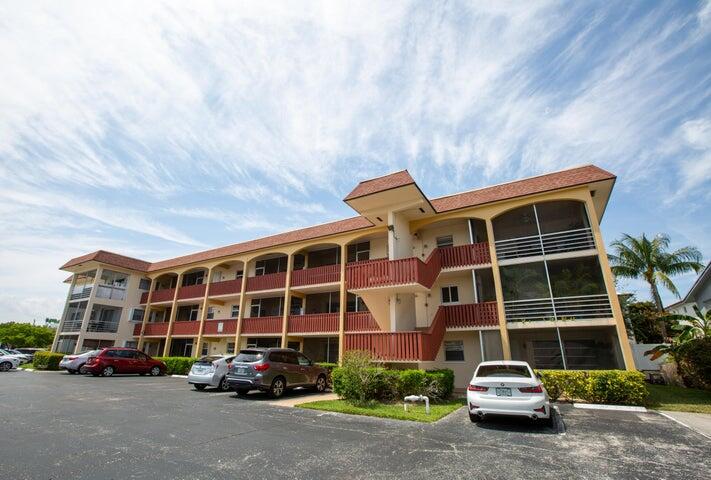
column 543, row 229
column 104, row 319
column 83, row 284
column 269, row 273
column 112, row 285
column 317, row 265
column 74, row 317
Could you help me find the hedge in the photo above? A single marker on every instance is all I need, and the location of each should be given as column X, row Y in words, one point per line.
column 358, row 382
column 615, row 387
column 177, row 365
column 47, row 360
column 694, row 362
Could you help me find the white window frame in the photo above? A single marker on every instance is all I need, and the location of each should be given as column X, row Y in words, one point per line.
column 449, row 288
column 196, row 311
column 450, row 343
column 234, row 310
column 449, row 243
column 210, row 313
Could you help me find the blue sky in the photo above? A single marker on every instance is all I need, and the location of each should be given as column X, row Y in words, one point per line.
column 156, row 129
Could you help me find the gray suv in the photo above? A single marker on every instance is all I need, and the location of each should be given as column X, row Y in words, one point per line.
column 274, row 370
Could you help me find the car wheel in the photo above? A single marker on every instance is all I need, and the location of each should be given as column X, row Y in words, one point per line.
column 107, row 371
column 474, row 418
column 277, row 388
column 224, row 386
column 199, row 386
column 155, row 371
column 320, row 386
column 5, row 366
column 82, row 370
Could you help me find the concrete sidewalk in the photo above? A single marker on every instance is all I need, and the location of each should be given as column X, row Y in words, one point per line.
column 700, row 422
column 293, row 401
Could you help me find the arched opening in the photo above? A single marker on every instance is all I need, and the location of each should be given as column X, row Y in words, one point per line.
column 367, row 247
column 315, row 256
column 448, row 233
column 166, row 281
column 194, row 276
column 231, row 270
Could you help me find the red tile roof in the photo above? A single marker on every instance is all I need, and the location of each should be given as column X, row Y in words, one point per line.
column 542, row 183
column 380, row 184
column 520, row 188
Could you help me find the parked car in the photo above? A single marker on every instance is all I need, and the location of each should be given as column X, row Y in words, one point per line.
column 30, row 351
column 507, row 388
column 75, row 363
column 274, row 370
column 14, row 353
column 123, row 360
column 210, row 371
column 8, row 362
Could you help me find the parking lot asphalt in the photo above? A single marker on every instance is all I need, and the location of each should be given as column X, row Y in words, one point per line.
column 59, row 426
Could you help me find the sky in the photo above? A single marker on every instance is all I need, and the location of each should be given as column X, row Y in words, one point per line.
column 156, row 129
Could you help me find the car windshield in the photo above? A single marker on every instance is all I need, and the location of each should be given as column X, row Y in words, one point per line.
column 503, row 371
column 249, row 356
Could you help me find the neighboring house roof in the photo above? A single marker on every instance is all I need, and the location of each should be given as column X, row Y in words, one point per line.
column 704, row 277
column 539, row 184
column 380, row 184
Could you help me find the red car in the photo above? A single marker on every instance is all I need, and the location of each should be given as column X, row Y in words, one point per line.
column 123, row 360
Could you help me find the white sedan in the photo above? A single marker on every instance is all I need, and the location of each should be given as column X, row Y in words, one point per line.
column 8, row 362
column 507, row 388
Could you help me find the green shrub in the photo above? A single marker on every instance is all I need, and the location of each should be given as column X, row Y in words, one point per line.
column 359, row 382
column 694, row 361
column 47, row 360
column 177, row 365
column 617, row 387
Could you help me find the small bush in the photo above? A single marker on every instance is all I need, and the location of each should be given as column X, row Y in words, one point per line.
column 360, row 383
column 47, row 360
column 617, row 387
column 694, row 361
column 177, row 365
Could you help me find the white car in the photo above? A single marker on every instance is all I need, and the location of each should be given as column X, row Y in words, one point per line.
column 8, row 362
column 23, row 358
column 75, row 363
column 507, row 388
column 210, row 371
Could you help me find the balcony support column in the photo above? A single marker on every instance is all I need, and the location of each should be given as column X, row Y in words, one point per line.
column 242, row 303
column 622, row 337
column 60, row 326
column 343, row 294
column 203, row 314
column 503, row 329
column 87, row 312
column 287, row 301
column 173, row 314
column 146, row 314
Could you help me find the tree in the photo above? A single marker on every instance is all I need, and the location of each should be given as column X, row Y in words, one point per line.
column 645, row 321
column 20, row 335
column 651, row 261
column 691, row 327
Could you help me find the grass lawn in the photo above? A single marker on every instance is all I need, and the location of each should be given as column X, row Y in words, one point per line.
column 666, row 397
column 389, row 410
column 26, row 365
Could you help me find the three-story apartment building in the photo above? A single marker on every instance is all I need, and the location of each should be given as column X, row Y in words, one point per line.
column 512, row 271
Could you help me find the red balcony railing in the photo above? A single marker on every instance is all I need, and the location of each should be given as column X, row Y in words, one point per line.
column 137, row 330
column 401, row 346
column 144, row 298
column 315, row 322
column 226, row 288
column 191, row 291
column 156, row 329
column 404, row 271
column 465, row 255
column 212, row 327
column 186, row 328
column 361, row 322
column 270, row 281
column 262, row 324
column 316, row 275
column 483, row 314
column 164, row 295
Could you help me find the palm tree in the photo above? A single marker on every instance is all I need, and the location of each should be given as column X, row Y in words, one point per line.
column 650, row 260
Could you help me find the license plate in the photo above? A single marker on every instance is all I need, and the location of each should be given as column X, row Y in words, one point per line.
column 241, row 370
column 503, row 392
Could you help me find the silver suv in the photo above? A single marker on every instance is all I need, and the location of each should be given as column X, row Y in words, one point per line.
column 274, row 370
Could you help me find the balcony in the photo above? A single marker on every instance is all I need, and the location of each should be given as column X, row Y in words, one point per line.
column 545, row 244
column 312, row 323
column 583, row 307
column 257, row 325
column 111, row 292
column 80, row 292
column 220, row 327
column 270, row 281
column 361, row 322
column 153, row 329
column 471, row 315
column 401, row 346
column 164, row 295
column 227, row 287
column 69, row 326
column 186, row 328
column 408, row 271
column 191, row 291
column 316, row 275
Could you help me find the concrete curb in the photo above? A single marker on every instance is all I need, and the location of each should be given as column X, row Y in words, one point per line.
column 621, row 408
column 179, row 376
